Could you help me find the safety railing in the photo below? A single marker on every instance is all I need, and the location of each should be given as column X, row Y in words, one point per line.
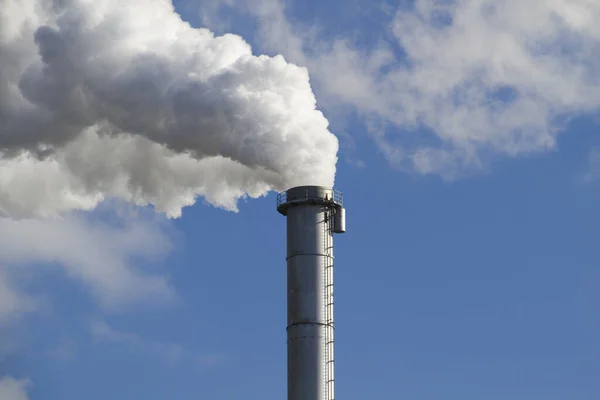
column 338, row 197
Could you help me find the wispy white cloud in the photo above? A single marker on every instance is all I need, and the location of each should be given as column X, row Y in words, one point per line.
column 493, row 75
column 103, row 257
column 169, row 352
column 65, row 350
column 592, row 171
column 13, row 301
column 459, row 81
column 13, row 389
column 103, row 253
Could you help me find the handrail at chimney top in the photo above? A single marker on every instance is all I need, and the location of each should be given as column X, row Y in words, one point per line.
column 338, row 198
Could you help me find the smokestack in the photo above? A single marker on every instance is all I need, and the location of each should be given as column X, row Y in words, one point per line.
column 314, row 214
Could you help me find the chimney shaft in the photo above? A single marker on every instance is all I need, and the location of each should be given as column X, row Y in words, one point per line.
column 313, row 213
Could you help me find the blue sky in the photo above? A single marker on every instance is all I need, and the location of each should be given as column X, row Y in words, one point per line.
column 469, row 271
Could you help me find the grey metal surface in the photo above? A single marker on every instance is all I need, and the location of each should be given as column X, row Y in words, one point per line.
column 339, row 220
column 310, row 214
column 308, row 195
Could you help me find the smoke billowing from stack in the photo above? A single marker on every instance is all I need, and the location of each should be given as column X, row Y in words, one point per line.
column 110, row 98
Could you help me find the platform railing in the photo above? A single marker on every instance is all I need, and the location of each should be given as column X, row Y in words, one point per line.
column 338, row 198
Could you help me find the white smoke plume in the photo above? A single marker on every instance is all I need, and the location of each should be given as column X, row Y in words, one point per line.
column 445, row 87
column 111, row 98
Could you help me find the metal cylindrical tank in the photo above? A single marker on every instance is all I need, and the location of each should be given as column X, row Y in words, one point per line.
column 310, row 212
column 339, row 220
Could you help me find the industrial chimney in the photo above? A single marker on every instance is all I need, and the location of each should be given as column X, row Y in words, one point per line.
column 314, row 214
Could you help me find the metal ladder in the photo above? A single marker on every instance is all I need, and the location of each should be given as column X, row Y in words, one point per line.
column 328, row 301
